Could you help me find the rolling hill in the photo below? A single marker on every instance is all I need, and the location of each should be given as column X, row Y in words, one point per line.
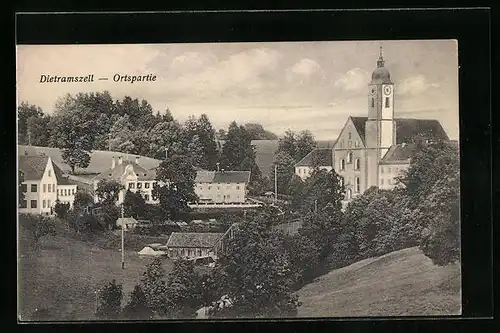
column 401, row 283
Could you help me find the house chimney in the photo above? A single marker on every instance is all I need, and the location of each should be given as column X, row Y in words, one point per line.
column 120, row 160
column 137, row 160
column 113, row 163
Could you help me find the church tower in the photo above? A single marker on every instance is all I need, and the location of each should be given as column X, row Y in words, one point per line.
column 380, row 128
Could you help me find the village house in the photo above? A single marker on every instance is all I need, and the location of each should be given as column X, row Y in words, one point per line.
column 319, row 157
column 377, row 149
column 220, row 187
column 43, row 184
column 128, row 223
column 190, row 245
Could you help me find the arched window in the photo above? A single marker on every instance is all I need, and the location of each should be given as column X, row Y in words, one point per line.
column 349, row 135
column 356, row 164
column 387, row 102
column 342, row 164
column 349, row 157
column 356, row 182
column 348, row 194
column 373, row 102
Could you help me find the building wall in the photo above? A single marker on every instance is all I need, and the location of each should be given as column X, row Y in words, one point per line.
column 48, row 189
column 66, row 194
column 388, row 173
column 30, row 196
column 180, row 252
column 305, row 172
column 221, row 192
column 349, row 159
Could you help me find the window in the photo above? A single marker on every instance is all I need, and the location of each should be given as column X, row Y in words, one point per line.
column 387, row 102
column 341, row 181
column 189, row 252
column 146, row 197
column 218, row 188
column 348, row 194
column 349, row 157
column 146, row 185
column 131, row 185
column 349, row 135
column 24, row 188
column 33, row 188
column 349, row 144
column 356, row 164
column 33, row 204
column 342, row 164
column 44, row 188
column 50, row 173
column 237, row 187
column 373, row 102
column 389, row 181
column 209, row 187
column 389, row 169
column 381, row 169
column 64, row 192
column 44, row 204
column 48, row 204
column 356, row 182
column 199, row 252
column 356, row 143
column 381, row 181
column 24, row 204
column 139, row 185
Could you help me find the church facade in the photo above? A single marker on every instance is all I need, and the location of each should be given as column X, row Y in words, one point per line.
column 374, row 150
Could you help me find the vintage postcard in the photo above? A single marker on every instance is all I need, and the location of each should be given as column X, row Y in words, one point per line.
column 238, row 180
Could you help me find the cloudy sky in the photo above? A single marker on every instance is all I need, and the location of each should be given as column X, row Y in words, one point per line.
column 313, row 85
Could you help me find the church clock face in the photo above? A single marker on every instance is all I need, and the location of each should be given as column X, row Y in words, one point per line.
column 387, row 90
column 372, row 91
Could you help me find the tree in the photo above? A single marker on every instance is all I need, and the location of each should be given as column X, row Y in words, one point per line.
column 178, row 175
column 137, row 307
column 110, row 301
column 304, row 144
column 37, row 128
column 304, row 256
column 183, row 293
column 285, row 169
column 323, row 192
column 206, row 135
column 61, row 209
column 83, row 199
column 163, row 136
column 134, row 205
column 20, row 180
column 107, row 191
column 255, row 274
column 295, row 189
column 257, row 132
column 287, row 144
column 24, row 112
column 38, row 226
column 121, row 135
column 74, row 130
column 154, row 287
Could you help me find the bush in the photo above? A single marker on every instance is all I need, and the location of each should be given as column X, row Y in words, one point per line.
column 137, row 307
column 61, row 209
column 110, row 301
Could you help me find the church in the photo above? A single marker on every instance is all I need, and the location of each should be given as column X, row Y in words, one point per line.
column 373, row 150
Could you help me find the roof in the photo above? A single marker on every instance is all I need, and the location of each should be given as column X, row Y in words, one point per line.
column 399, row 154
column 320, row 156
column 33, row 168
column 194, row 239
column 119, row 169
column 100, row 160
column 127, row 220
column 222, row 177
column 381, row 75
column 408, row 129
column 359, row 124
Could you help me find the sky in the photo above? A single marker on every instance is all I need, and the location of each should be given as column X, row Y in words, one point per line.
column 286, row 85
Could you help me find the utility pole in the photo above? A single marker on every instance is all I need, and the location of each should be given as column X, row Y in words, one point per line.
column 166, row 153
column 29, row 138
column 315, row 206
column 109, row 142
column 123, row 238
column 218, row 164
column 276, row 183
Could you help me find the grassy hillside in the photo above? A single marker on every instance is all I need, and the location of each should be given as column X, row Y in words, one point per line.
column 402, row 283
column 64, row 273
